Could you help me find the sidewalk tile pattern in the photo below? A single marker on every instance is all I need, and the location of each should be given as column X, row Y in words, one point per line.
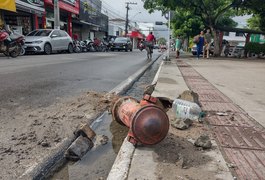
column 241, row 139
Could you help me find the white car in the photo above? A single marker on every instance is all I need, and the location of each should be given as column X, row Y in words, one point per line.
column 47, row 41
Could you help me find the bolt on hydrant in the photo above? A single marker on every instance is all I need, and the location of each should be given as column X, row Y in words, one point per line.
column 148, row 123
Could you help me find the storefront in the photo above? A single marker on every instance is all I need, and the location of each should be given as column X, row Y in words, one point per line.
column 136, row 37
column 94, row 23
column 27, row 17
column 69, row 9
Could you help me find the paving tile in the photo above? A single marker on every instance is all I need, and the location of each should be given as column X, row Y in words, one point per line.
column 232, row 119
column 249, row 163
column 240, row 137
column 219, row 107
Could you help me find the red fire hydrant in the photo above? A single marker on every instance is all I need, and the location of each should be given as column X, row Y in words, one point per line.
column 148, row 123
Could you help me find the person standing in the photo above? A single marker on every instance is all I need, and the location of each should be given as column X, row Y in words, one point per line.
column 177, row 46
column 208, row 39
column 200, row 43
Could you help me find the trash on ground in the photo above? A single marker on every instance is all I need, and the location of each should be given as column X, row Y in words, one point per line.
column 186, row 110
column 221, row 114
column 204, row 142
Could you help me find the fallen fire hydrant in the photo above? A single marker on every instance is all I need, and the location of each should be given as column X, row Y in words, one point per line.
column 148, row 123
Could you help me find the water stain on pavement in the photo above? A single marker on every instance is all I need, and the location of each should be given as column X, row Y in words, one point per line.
column 167, row 80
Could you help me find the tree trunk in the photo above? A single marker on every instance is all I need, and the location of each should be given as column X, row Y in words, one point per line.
column 217, row 49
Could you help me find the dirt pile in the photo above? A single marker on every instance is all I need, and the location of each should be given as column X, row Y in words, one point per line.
column 28, row 135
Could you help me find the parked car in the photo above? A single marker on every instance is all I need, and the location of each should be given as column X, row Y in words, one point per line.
column 48, row 40
column 194, row 49
column 121, row 43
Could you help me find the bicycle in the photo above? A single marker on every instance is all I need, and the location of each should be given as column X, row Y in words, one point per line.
column 149, row 50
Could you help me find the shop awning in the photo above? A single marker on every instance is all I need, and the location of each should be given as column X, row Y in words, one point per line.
column 8, row 5
column 135, row 34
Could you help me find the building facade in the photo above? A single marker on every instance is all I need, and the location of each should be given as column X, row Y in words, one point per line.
column 82, row 18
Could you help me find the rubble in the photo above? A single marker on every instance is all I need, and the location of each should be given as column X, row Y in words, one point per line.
column 203, row 141
column 190, row 96
column 181, row 124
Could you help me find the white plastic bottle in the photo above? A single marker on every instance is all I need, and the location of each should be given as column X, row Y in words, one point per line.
column 186, row 110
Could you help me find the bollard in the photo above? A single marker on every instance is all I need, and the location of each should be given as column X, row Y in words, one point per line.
column 148, row 124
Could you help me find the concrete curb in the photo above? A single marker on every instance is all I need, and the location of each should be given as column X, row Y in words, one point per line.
column 56, row 159
column 121, row 165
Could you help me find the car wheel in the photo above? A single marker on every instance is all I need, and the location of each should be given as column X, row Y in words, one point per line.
column 131, row 50
column 47, row 49
column 70, row 48
column 126, row 50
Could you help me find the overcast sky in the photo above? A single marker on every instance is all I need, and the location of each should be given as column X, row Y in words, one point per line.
column 134, row 15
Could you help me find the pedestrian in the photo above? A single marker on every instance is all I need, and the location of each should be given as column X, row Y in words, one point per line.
column 208, row 39
column 199, row 40
column 177, row 46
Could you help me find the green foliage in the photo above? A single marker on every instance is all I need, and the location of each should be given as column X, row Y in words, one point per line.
column 162, row 41
column 185, row 24
column 254, row 22
column 256, row 48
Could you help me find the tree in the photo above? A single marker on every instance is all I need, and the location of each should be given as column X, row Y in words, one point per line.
column 211, row 13
column 257, row 8
column 162, row 41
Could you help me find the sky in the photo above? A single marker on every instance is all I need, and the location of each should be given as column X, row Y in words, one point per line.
column 119, row 7
column 137, row 13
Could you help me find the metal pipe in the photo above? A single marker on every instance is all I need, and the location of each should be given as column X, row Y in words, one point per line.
column 148, row 124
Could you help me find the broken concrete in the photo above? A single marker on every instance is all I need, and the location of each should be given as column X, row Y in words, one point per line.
column 190, row 96
column 203, row 141
column 181, row 124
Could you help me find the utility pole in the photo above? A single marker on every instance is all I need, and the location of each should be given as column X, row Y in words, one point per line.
column 56, row 14
column 127, row 15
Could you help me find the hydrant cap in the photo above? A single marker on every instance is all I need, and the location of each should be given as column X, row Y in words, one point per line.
column 150, row 125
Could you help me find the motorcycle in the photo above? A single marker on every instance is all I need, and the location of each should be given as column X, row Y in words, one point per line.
column 83, row 46
column 76, row 46
column 141, row 46
column 11, row 44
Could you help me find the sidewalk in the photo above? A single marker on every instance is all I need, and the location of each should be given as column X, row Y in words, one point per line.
column 241, row 140
column 175, row 157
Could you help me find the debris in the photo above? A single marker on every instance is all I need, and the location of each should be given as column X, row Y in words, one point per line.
column 85, row 131
column 103, row 139
column 204, row 142
column 78, row 148
column 182, row 124
column 231, row 165
column 190, row 96
column 45, row 144
column 222, row 114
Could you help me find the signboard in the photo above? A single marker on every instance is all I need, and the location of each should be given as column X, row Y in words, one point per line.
column 31, row 4
column 9, row 5
column 67, row 5
column 90, row 10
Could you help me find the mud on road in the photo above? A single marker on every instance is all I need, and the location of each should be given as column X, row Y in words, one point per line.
column 30, row 134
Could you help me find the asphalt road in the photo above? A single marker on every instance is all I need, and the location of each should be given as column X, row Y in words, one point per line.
column 38, row 80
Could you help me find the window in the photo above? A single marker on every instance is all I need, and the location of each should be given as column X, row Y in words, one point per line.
column 239, row 34
column 57, row 33
column 226, row 33
column 63, row 34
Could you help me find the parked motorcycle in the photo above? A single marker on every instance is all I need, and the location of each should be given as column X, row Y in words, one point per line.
column 76, row 46
column 11, row 44
column 83, row 46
